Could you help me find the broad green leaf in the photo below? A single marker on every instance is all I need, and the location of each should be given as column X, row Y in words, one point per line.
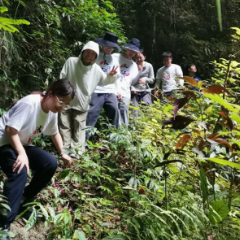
column 64, row 174
column 221, row 101
column 218, row 211
column 235, row 117
column 3, row 9
column 80, row 235
column 224, row 162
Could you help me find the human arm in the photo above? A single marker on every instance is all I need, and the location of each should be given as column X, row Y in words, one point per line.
column 64, row 71
column 179, row 73
column 158, row 83
column 108, row 78
column 58, row 143
column 22, row 159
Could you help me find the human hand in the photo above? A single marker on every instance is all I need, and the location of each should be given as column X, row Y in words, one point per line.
column 113, row 71
column 21, row 161
column 142, row 81
column 119, row 97
column 140, row 67
column 133, row 92
column 67, row 159
column 156, row 94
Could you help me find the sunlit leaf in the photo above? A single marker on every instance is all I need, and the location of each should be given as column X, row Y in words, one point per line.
column 222, row 102
column 224, row 162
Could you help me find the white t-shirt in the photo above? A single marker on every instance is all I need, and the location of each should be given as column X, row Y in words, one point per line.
column 129, row 75
column 106, row 62
column 28, row 118
column 166, row 77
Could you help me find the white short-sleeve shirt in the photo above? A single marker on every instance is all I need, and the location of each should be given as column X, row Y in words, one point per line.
column 28, row 118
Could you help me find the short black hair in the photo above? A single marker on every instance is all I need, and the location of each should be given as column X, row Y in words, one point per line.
column 61, row 88
column 167, row 54
column 189, row 65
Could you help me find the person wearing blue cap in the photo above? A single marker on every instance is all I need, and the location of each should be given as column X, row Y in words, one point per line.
column 130, row 73
column 105, row 96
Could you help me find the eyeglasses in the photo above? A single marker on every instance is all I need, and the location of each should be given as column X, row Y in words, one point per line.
column 61, row 103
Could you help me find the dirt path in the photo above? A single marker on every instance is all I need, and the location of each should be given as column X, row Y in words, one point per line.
column 39, row 232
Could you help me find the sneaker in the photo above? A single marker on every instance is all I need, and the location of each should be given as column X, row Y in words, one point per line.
column 74, row 155
column 5, row 230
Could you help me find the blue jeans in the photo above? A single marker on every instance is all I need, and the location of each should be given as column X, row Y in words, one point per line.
column 42, row 163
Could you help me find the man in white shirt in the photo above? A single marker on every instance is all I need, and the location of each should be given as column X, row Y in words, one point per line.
column 166, row 75
column 105, row 96
column 129, row 76
column 85, row 75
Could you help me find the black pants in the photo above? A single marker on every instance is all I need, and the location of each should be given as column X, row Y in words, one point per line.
column 42, row 163
column 109, row 102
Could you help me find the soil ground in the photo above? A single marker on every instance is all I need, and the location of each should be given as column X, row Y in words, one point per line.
column 38, row 232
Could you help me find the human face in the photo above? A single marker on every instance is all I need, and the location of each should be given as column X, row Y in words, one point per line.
column 167, row 61
column 140, row 58
column 192, row 69
column 88, row 57
column 107, row 50
column 130, row 53
column 61, row 103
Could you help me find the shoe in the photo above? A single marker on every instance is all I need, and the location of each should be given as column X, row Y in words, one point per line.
column 74, row 155
column 5, row 230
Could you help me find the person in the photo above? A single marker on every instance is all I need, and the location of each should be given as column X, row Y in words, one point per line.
column 105, row 96
column 19, row 126
column 130, row 73
column 192, row 69
column 141, row 92
column 166, row 75
column 85, row 75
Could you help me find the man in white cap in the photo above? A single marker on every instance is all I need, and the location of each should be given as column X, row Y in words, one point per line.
column 130, row 73
column 85, row 75
column 105, row 96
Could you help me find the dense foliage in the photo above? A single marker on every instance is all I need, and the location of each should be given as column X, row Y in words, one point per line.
column 173, row 173
column 35, row 55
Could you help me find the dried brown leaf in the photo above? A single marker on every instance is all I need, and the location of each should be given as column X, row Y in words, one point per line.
column 216, row 89
column 190, row 81
column 183, row 141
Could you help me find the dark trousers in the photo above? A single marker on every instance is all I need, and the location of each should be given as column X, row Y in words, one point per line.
column 140, row 97
column 42, row 163
column 109, row 102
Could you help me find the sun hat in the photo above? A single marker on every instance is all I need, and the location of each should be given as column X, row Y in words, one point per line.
column 134, row 45
column 109, row 40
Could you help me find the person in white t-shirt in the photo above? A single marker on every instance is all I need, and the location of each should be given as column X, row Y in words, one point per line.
column 105, row 96
column 28, row 118
column 130, row 73
column 166, row 75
